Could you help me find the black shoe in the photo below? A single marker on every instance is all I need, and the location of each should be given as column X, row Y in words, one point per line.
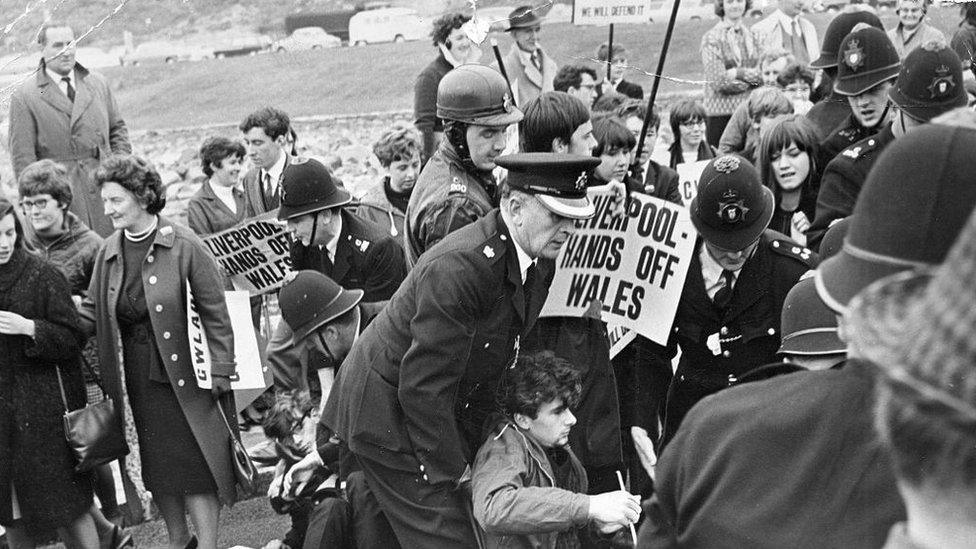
column 121, row 539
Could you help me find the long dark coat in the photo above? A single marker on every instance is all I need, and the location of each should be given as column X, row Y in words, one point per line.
column 33, row 452
column 177, row 256
column 417, row 388
column 207, row 214
column 44, row 123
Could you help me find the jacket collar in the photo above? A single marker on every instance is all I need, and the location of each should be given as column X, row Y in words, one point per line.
column 165, row 237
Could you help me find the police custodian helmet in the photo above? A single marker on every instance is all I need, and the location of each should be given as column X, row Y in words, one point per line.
column 476, row 94
column 866, row 58
column 306, row 187
column 733, row 207
column 930, row 82
column 312, row 300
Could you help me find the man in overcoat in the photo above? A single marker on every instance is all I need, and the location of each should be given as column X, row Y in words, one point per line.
column 530, row 70
column 413, row 395
column 67, row 114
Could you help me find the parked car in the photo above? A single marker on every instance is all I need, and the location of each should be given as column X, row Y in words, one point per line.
column 335, row 22
column 242, row 45
column 307, row 38
column 386, row 25
column 96, row 58
column 688, row 10
column 164, row 52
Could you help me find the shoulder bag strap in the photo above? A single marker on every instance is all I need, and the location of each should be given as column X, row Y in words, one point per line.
column 64, row 398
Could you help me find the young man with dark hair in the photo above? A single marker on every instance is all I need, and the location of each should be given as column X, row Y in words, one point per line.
column 526, row 481
column 42, row 125
column 266, row 140
column 557, row 122
column 400, row 153
column 454, row 49
column 578, row 81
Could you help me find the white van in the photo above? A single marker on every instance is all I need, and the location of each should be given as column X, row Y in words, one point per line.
column 387, row 25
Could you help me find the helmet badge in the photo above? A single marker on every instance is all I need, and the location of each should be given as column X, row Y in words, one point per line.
column 726, row 164
column 507, row 103
column 942, row 83
column 854, row 55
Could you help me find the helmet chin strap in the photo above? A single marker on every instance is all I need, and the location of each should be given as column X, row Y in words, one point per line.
column 315, row 227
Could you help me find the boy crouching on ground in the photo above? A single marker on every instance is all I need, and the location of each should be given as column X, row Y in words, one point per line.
column 529, row 489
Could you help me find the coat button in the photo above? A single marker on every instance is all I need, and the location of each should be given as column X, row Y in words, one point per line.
column 421, row 468
column 776, row 244
column 771, row 331
column 726, row 354
column 486, row 345
column 153, row 279
column 425, row 478
column 181, row 383
column 167, row 335
column 150, row 258
column 503, row 237
column 174, row 357
column 724, row 330
column 159, row 308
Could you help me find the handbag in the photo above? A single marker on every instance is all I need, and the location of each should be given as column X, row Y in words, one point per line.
column 245, row 473
column 94, row 432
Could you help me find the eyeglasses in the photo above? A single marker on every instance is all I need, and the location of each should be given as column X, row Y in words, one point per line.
column 28, row 205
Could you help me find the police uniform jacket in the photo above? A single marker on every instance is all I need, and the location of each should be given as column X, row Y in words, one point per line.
column 792, row 461
column 749, row 328
column 416, row 389
column 447, row 196
column 843, row 136
column 842, row 181
column 366, row 259
column 828, row 113
column 44, row 123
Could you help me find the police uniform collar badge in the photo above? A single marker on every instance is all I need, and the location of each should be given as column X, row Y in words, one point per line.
column 854, row 55
column 942, row 83
column 732, row 209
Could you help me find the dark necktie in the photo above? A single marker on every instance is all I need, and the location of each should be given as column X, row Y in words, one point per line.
column 799, row 45
column 328, row 266
column 537, row 60
column 724, row 294
column 70, row 92
column 528, row 287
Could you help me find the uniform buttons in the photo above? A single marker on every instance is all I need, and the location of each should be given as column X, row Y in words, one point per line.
column 771, row 331
column 181, row 383
column 503, row 237
column 871, row 142
column 159, row 308
column 776, row 244
column 486, row 345
column 425, row 477
column 724, row 330
column 726, row 354
column 167, row 335
column 150, row 259
column 174, row 357
column 153, row 279
column 421, row 468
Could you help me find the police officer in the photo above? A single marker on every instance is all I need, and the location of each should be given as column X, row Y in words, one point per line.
column 866, row 66
column 330, row 239
column 456, row 186
column 831, row 111
column 413, row 394
column 728, row 318
column 929, row 84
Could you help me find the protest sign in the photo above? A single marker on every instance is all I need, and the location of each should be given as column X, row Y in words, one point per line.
column 254, row 254
column 634, row 264
column 250, row 374
column 620, row 337
column 688, row 175
column 605, row 12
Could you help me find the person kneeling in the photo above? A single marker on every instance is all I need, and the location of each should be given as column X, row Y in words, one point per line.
column 529, row 488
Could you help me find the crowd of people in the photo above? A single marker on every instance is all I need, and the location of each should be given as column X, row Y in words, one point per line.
column 817, row 387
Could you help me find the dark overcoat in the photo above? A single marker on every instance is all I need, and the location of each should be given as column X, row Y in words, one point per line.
column 207, row 214
column 417, row 388
column 44, row 123
column 177, row 256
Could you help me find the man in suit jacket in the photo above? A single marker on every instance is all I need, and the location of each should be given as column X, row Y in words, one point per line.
column 413, row 395
column 266, row 139
column 67, row 114
column 530, row 70
column 348, row 249
column 785, row 28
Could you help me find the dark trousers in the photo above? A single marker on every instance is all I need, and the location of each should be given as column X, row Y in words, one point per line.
column 714, row 126
column 418, row 514
column 685, row 391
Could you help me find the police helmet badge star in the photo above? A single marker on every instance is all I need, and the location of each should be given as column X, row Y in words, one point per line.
column 854, row 55
column 507, row 103
column 581, row 181
column 732, row 209
column 942, row 83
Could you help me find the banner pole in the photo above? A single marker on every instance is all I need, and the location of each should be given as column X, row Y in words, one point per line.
column 609, row 53
column 657, row 80
column 501, row 69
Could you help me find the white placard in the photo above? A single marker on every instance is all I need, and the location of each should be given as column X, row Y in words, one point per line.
column 604, row 12
column 249, row 374
column 634, row 264
column 688, row 175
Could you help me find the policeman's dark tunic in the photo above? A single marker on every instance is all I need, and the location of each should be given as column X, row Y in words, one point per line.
column 843, row 136
column 749, row 328
column 842, row 181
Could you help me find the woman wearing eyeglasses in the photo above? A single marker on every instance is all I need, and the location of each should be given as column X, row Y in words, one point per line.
column 688, row 127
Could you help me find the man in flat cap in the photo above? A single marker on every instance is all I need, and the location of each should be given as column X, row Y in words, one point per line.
column 728, row 317
column 529, row 69
column 457, row 186
column 328, row 238
column 413, row 395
